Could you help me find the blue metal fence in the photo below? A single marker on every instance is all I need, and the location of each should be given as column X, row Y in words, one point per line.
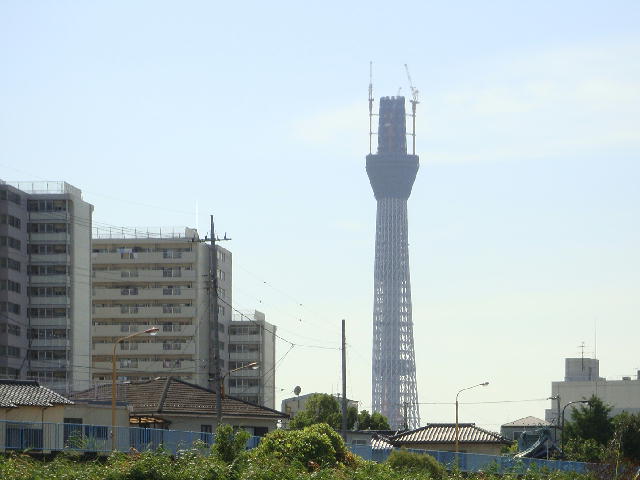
column 476, row 462
column 52, row 437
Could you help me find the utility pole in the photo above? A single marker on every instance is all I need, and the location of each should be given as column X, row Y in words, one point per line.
column 213, row 308
column 344, row 383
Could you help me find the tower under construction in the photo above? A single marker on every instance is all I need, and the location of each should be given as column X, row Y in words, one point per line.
column 392, row 172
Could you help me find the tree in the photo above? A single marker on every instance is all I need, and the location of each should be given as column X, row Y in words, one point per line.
column 627, row 427
column 325, row 408
column 590, row 422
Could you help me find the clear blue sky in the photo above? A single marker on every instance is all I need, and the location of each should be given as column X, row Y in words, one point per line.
column 523, row 220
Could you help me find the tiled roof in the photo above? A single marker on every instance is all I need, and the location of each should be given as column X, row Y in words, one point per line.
column 171, row 395
column 380, row 442
column 528, row 422
column 446, row 433
column 28, row 393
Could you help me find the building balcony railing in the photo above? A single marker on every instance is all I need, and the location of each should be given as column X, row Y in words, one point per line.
column 131, row 293
column 121, row 330
column 142, row 257
column 143, row 312
column 139, row 348
column 134, row 275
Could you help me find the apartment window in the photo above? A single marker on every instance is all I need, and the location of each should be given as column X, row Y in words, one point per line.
column 47, row 249
column 128, row 363
column 47, row 269
column 47, row 291
column 222, row 292
column 171, row 254
column 13, row 329
column 128, row 273
column 48, row 354
column 11, row 196
column 10, row 242
column 10, row 307
column 170, row 290
column 47, row 228
column 221, row 310
column 244, row 330
column 129, row 346
column 243, row 347
column 243, row 382
column 10, row 285
column 129, row 291
column 128, row 309
column 222, row 256
column 9, row 351
column 10, row 220
column 47, row 312
column 171, row 346
column 128, row 328
column 171, row 272
column 171, row 309
column 47, row 205
column 10, row 263
column 171, row 363
column 171, row 327
column 47, row 333
column 221, row 275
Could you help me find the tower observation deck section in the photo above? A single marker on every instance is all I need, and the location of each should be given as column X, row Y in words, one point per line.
column 392, row 172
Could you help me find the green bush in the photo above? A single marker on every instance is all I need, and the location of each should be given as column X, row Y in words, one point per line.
column 313, row 446
column 402, row 460
column 229, row 444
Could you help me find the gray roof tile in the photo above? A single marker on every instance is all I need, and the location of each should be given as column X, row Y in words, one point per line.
column 23, row 393
column 446, row 433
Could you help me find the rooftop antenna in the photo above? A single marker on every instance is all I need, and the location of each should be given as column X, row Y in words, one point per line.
column 581, row 347
column 414, row 102
column 370, row 104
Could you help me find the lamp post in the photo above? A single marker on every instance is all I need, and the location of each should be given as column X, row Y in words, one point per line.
column 562, row 433
column 114, row 386
column 252, row 365
column 484, row 384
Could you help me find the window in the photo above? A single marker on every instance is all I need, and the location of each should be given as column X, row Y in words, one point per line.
column 129, row 291
column 244, row 330
column 128, row 273
column 47, row 269
column 221, row 275
column 10, row 263
column 10, row 285
column 170, row 290
column 47, row 227
column 9, row 307
column 10, row 242
column 171, row 363
column 243, row 382
column 10, row 220
column 47, row 312
column 9, row 350
column 128, row 363
column 172, row 272
column 47, row 249
column 11, row 196
column 47, row 205
column 243, row 347
column 129, row 346
column 47, row 291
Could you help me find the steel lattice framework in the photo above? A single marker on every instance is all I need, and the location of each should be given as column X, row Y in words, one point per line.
column 392, row 172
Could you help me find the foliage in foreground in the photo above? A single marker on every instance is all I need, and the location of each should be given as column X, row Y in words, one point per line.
column 314, row 453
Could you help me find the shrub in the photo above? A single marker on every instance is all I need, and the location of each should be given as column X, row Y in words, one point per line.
column 416, row 462
column 311, row 447
column 229, row 444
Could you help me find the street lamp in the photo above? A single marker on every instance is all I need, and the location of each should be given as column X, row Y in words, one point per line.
column 252, row 366
column 562, row 437
column 114, row 386
column 468, row 388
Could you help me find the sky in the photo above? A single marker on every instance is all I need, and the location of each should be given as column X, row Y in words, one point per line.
column 523, row 221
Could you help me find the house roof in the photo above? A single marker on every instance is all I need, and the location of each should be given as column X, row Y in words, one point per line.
column 173, row 396
column 380, row 442
column 528, row 422
column 28, row 393
column 446, row 433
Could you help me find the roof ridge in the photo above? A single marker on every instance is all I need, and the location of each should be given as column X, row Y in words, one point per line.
column 163, row 395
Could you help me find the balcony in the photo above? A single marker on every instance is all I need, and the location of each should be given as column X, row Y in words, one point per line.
column 49, row 280
column 50, row 342
column 152, row 368
column 58, row 258
column 246, row 356
column 124, row 329
column 134, row 349
column 41, row 301
column 144, row 312
column 142, row 294
column 145, row 276
column 142, row 257
column 48, row 237
column 233, row 338
column 53, row 217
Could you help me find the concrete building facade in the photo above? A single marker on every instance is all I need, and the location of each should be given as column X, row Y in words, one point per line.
column 142, row 281
column 45, row 265
column 582, row 380
column 252, row 339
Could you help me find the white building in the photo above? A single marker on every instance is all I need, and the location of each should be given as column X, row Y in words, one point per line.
column 50, row 306
column 143, row 280
column 582, row 380
column 252, row 339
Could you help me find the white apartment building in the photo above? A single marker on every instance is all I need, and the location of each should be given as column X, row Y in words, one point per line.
column 252, row 339
column 582, row 380
column 143, row 280
column 47, row 283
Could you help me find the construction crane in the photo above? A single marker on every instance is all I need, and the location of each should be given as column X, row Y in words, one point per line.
column 414, row 102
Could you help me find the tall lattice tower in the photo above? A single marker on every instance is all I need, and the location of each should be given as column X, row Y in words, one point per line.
column 392, row 172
